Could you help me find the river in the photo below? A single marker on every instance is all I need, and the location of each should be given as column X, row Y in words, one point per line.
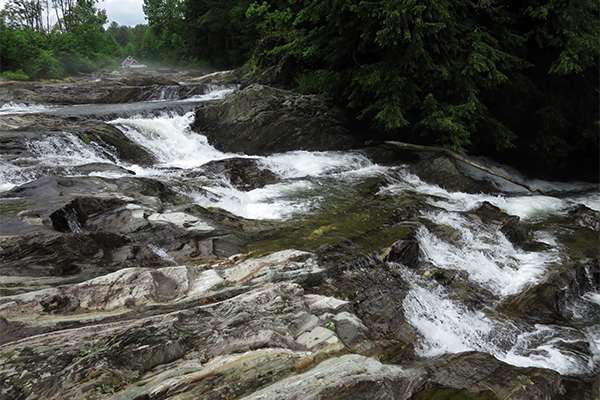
column 324, row 191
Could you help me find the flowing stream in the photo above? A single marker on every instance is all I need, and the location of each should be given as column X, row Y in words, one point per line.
column 317, row 183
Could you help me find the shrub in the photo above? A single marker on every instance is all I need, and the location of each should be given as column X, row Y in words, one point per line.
column 15, row 75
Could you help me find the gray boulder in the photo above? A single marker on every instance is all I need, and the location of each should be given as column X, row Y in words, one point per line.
column 262, row 120
column 442, row 171
column 244, row 173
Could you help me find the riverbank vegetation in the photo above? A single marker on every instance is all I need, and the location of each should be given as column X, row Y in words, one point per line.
column 53, row 39
column 514, row 80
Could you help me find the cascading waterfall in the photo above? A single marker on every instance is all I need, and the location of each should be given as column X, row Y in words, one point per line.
column 68, row 150
column 493, row 265
column 55, row 153
column 312, row 180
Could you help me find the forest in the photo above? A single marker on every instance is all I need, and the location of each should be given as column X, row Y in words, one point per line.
column 511, row 79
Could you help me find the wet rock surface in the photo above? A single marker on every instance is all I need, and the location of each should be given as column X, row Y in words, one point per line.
column 117, row 286
column 21, row 134
column 243, row 173
column 262, row 120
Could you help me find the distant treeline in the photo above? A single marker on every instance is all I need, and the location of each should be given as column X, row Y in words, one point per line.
column 52, row 39
column 501, row 77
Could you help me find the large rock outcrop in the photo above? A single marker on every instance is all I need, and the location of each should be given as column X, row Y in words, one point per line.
column 261, row 120
column 242, row 328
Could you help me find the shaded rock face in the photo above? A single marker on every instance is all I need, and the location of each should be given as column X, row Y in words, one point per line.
column 509, row 225
column 69, row 225
column 261, row 120
column 441, row 171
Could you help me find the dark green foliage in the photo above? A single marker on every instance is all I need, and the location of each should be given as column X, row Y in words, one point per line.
column 21, row 48
column 122, row 34
column 164, row 40
column 485, row 75
column 130, row 40
column 208, row 31
column 219, row 31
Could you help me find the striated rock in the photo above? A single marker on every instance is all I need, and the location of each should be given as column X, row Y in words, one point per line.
column 325, row 304
column 91, row 356
column 468, row 375
column 262, row 120
column 376, row 293
column 222, row 377
column 322, row 338
column 288, row 265
column 353, row 333
column 349, row 376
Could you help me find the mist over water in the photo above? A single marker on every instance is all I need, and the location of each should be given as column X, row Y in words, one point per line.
column 314, row 181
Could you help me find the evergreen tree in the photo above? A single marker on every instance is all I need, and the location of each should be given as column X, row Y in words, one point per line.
column 219, row 31
column 487, row 74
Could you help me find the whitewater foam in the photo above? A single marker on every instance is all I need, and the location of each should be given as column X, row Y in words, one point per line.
column 23, row 108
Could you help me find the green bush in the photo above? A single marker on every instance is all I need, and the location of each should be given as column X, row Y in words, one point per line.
column 49, row 66
column 15, row 75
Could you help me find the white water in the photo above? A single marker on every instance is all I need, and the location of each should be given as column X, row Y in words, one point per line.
column 526, row 205
column 485, row 254
column 490, row 261
column 171, row 141
column 494, row 265
column 55, row 151
column 448, row 326
column 216, row 92
column 23, row 108
column 309, row 182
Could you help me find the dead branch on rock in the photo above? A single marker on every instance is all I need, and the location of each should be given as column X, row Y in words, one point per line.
column 450, row 153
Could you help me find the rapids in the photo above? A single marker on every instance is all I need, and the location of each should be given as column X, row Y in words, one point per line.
column 314, row 183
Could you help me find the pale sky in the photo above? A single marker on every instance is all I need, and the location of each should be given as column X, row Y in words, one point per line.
column 124, row 12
